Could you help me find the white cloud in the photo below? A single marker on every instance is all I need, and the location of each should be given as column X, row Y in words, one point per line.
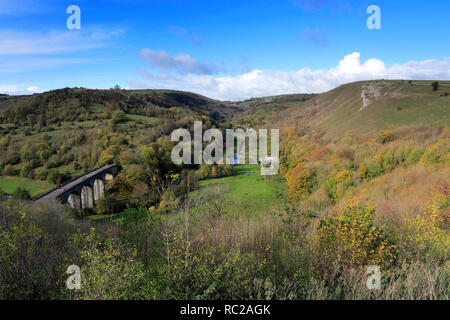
column 183, row 63
column 272, row 82
column 22, row 51
column 37, row 43
column 16, row 89
column 33, row 89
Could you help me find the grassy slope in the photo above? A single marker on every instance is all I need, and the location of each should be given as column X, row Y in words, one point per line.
column 337, row 112
column 410, row 104
column 34, row 187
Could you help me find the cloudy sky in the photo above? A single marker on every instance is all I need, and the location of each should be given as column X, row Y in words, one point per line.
column 226, row 49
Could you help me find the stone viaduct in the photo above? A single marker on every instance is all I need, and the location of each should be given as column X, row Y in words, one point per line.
column 81, row 192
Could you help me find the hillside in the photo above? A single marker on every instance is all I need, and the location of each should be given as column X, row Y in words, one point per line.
column 55, row 135
column 367, row 107
column 77, row 101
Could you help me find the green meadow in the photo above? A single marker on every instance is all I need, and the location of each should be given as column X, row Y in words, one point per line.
column 34, row 187
column 247, row 190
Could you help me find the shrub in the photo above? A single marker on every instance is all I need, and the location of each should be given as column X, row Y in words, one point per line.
column 330, row 187
column 212, row 273
column 426, row 237
column 414, row 157
column 213, row 171
column 13, row 159
column 351, row 240
column 107, row 205
column 9, row 170
column 109, row 269
column 386, row 136
column 388, row 161
column 41, row 174
column 27, row 171
column 203, row 172
column 224, row 170
column 56, row 177
column 343, row 176
column 435, row 86
column 21, row 194
column 437, row 153
column 363, row 171
column 374, row 170
column 301, row 182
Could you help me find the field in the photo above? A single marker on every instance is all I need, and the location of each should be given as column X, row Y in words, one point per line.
column 248, row 191
column 34, row 187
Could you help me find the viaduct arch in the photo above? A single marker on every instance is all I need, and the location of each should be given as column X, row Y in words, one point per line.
column 82, row 192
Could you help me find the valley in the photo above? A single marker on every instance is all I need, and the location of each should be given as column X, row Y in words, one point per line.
column 363, row 180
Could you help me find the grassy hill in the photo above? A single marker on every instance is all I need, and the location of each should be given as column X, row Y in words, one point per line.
column 62, row 133
column 369, row 106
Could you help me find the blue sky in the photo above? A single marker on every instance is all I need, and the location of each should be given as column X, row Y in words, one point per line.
column 222, row 49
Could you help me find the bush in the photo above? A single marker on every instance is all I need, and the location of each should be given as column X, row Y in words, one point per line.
column 21, row 194
column 351, row 240
column 41, row 174
column 56, row 177
column 437, row 153
column 435, row 86
column 9, row 171
column 414, row 157
column 13, row 159
column 427, row 238
column 301, row 182
column 330, row 187
column 386, row 136
column 343, row 176
column 107, row 205
column 27, row 171
column 109, row 269
column 374, row 170
column 388, row 161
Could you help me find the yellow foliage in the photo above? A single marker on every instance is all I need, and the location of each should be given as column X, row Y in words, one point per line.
column 343, row 176
column 301, row 182
column 350, row 239
column 426, row 233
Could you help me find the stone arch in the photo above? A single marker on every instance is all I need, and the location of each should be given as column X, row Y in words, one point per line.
column 109, row 176
column 87, row 197
column 99, row 189
column 74, row 201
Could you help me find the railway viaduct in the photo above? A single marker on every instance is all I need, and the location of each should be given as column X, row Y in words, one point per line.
column 81, row 192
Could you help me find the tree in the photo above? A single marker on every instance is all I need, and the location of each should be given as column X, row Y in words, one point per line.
column 158, row 164
column 435, row 86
